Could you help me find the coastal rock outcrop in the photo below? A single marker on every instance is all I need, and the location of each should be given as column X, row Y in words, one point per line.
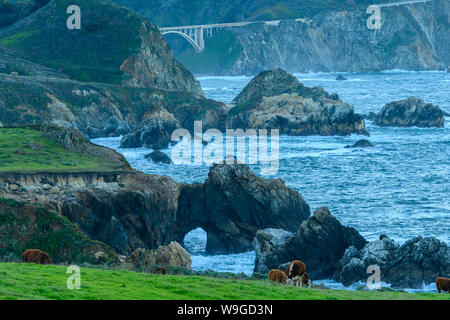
column 363, row 143
column 100, row 110
column 128, row 210
column 158, row 157
column 171, row 255
column 234, row 203
column 410, row 112
column 276, row 100
column 411, row 265
column 266, row 241
column 153, row 132
column 320, row 243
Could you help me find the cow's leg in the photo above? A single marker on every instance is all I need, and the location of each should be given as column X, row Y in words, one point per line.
column 301, row 282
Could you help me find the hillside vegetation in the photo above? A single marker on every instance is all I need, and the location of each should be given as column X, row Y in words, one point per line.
column 30, row 281
column 24, row 226
column 29, row 150
column 181, row 12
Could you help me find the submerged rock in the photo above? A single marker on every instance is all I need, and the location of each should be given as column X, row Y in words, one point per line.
column 320, row 243
column 340, row 78
column 159, row 157
column 415, row 263
column 410, row 112
column 363, row 143
column 276, row 100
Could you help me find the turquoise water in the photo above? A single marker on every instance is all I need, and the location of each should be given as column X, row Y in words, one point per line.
column 401, row 187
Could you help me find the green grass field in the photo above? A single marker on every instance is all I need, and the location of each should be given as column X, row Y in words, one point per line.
column 31, row 281
column 26, row 151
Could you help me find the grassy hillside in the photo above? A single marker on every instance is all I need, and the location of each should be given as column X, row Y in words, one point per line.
column 181, row 12
column 24, row 226
column 109, row 35
column 30, row 281
column 28, row 150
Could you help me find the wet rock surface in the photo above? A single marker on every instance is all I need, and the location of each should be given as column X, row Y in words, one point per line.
column 410, row 112
column 276, row 100
column 411, row 265
column 320, row 243
column 361, row 144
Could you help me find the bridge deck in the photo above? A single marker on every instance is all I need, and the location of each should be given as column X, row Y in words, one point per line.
column 272, row 22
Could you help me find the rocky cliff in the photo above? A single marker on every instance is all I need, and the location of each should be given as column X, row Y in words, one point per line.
column 412, row 37
column 129, row 210
column 96, row 109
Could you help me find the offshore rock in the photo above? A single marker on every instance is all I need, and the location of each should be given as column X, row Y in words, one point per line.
column 410, row 112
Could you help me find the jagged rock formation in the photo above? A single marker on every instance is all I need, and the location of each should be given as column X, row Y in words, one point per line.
column 267, row 241
column 171, row 255
column 320, row 243
column 114, row 45
column 417, row 261
column 275, row 99
column 152, row 132
column 410, row 112
column 234, row 203
column 156, row 127
column 24, row 226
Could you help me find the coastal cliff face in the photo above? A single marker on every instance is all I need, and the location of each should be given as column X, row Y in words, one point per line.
column 96, row 109
column 129, row 210
column 412, row 37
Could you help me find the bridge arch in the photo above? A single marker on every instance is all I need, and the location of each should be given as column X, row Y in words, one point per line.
column 189, row 39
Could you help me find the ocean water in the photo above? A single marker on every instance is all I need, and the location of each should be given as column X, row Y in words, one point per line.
column 401, row 187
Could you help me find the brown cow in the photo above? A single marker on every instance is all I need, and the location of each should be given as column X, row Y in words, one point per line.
column 160, row 271
column 36, row 256
column 277, row 276
column 443, row 284
column 296, row 271
column 306, row 280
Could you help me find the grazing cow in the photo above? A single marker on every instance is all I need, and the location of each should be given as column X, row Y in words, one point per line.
column 296, row 271
column 160, row 271
column 36, row 256
column 443, row 284
column 277, row 276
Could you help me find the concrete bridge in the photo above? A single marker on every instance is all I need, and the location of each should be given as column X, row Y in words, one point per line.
column 195, row 34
